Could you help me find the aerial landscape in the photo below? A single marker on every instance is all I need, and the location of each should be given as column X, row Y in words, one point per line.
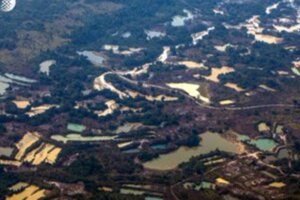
column 150, row 100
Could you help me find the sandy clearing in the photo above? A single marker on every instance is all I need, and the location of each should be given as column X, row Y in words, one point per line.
column 216, row 72
column 191, row 89
column 234, row 86
column 21, row 104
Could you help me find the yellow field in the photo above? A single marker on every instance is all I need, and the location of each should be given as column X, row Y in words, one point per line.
column 106, row 189
column 21, row 104
column 10, row 162
column 42, row 155
column 226, row 102
column 268, row 39
column 31, row 192
column 112, row 106
column 222, row 181
column 40, row 109
column 234, row 87
column 277, row 184
column 52, row 156
column 267, row 88
column 31, row 155
column 27, row 141
column 19, row 186
column 38, row 195
column 24, row 194
column 193, row 65
column 263, row 127
column 124, row 144
column 214, row 161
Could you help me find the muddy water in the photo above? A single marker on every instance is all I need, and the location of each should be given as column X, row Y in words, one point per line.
column 210, row 141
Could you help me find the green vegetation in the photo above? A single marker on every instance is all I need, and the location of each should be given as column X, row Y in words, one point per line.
column 42, row 30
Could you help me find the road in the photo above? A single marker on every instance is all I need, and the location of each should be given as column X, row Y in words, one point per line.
column 121, row 75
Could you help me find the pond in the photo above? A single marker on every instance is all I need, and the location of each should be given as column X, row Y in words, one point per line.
column 126, row 35
column 19, row 78
column 127, row 127
column 159, row 146
column 79, row 138
column 179, row 20
column 134, row 150
column 284, row 153
column 205, row 185
column 209, row 142
column 45, row 66
column 154, row 34
column 96, row 58
column 76, row 127
column 229, row 197
column 296, row 71
column 153, row 198
column 6, row 151
column 141, row 191
column 7, row 79
column 3, row 87
column 262, row 144
column 131, row 191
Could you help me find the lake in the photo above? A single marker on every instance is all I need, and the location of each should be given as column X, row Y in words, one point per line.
column 210, row 142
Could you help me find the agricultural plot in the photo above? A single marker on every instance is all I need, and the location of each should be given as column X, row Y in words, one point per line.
column 29, row 152
column 31, row 192
column 27, row 141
